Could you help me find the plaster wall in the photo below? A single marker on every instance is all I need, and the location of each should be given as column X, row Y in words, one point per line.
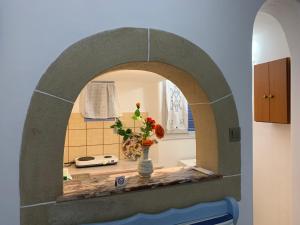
column 34, row 33
column 287, row 12
column 271, row 142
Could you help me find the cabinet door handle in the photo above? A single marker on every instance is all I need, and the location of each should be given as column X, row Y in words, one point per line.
column 271, row 96
column 265, row 96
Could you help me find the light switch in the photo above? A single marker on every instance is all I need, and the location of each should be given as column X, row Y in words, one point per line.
column 234, row 134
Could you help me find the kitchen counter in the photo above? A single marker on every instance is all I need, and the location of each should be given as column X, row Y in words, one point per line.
column 98, row 185
column 122, row 166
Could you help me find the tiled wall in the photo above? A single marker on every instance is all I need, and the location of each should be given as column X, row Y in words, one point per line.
column 95, row 137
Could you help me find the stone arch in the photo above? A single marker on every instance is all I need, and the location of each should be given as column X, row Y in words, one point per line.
column 161, row 52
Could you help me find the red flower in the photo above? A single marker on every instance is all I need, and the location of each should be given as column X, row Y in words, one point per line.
column 159, row 131
column 147, row 142
column 150, row 121
column 138, row 105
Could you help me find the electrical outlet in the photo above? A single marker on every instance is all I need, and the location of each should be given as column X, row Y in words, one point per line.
column 234, row 134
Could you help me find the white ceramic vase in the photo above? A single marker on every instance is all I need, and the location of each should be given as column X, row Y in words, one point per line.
column 145, row 166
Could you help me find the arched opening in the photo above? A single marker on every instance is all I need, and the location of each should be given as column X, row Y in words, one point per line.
column 93, row 137
column 176, row 59
column 83, row 135
column 283, row 32
column 270, row 43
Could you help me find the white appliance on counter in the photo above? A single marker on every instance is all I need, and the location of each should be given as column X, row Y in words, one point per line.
column 187, row 162
column 97, row 160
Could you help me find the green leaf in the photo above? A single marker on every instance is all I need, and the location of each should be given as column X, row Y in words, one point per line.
column 125, row 138
column 121, row 132
column 128, row 131
column 137, row 113
column 118, row 122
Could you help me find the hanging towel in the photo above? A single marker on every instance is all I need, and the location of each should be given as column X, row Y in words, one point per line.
column 176, row 113
column 99, row 100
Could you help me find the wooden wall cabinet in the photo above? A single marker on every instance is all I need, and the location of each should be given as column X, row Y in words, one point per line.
column 272, row 91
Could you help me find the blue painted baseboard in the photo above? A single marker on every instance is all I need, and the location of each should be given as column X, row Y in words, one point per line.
column 225, row 212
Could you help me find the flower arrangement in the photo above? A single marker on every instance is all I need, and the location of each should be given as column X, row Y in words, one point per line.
column 133, row 142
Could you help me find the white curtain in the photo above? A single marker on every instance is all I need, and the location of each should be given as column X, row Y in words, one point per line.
column 99, row 100
column 176, row 109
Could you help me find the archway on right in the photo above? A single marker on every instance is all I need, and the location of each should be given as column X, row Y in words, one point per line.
column 275, row 156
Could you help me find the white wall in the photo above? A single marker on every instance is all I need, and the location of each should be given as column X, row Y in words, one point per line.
column 171, row 151
column 287, row 12
column 269, row 41
column 134, row 86
column 271, row 142
column 34, row 33
column 145, row 87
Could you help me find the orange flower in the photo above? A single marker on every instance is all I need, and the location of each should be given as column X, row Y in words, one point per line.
column 159, row 131
column 147, row 142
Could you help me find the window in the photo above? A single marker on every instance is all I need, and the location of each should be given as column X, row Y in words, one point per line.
column 191, row 125
column 187, row 130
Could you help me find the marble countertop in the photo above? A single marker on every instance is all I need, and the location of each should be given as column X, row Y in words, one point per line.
column 97, row 185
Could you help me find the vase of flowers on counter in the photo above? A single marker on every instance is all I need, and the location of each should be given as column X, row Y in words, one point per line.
column 136, row 145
